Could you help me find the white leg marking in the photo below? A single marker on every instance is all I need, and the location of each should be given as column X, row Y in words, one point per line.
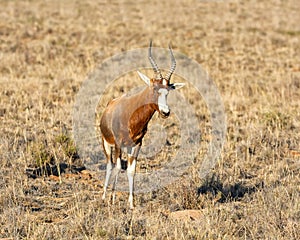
column 118, row 169
column 130, row 175
column 133, row 151
column 108, row 173
column 109, row 166
column 119, row 164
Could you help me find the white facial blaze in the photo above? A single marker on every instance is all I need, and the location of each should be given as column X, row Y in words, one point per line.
column 162, row 100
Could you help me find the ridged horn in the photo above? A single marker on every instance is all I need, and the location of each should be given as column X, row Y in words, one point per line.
column 173, row 66
column 153, row 63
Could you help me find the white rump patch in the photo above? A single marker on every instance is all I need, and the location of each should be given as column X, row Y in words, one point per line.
column 107, row 147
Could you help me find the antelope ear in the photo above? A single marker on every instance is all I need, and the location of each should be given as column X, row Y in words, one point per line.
column 175, row 86
column 144, row 78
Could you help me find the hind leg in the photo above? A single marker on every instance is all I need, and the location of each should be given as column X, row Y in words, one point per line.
column 118, row 157
column 109, row 165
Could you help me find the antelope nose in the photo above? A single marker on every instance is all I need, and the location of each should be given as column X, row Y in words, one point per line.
column 166, row 114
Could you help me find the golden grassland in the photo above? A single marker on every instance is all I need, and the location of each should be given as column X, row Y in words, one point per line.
column 252, row 51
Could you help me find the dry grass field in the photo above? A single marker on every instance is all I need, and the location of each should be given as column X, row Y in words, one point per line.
column 252, row 51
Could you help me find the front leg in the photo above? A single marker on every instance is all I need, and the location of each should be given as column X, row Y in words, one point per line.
column 132, row 156
column 130, row 175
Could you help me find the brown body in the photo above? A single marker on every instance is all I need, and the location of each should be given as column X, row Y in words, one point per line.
column 125, row 120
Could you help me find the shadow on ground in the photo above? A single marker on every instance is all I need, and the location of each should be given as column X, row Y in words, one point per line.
column 234, row 192
column 53, row 169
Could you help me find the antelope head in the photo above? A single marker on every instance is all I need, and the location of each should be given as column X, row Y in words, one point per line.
column 160, row 85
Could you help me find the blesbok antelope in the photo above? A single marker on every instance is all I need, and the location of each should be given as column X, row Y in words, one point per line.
column 125, row 119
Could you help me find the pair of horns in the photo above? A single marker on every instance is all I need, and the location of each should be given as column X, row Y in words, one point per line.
column 157, row 70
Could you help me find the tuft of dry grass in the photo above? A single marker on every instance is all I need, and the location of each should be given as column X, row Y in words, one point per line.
column 251, row 49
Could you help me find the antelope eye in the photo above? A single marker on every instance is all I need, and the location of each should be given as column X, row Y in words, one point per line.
column 171, row 87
